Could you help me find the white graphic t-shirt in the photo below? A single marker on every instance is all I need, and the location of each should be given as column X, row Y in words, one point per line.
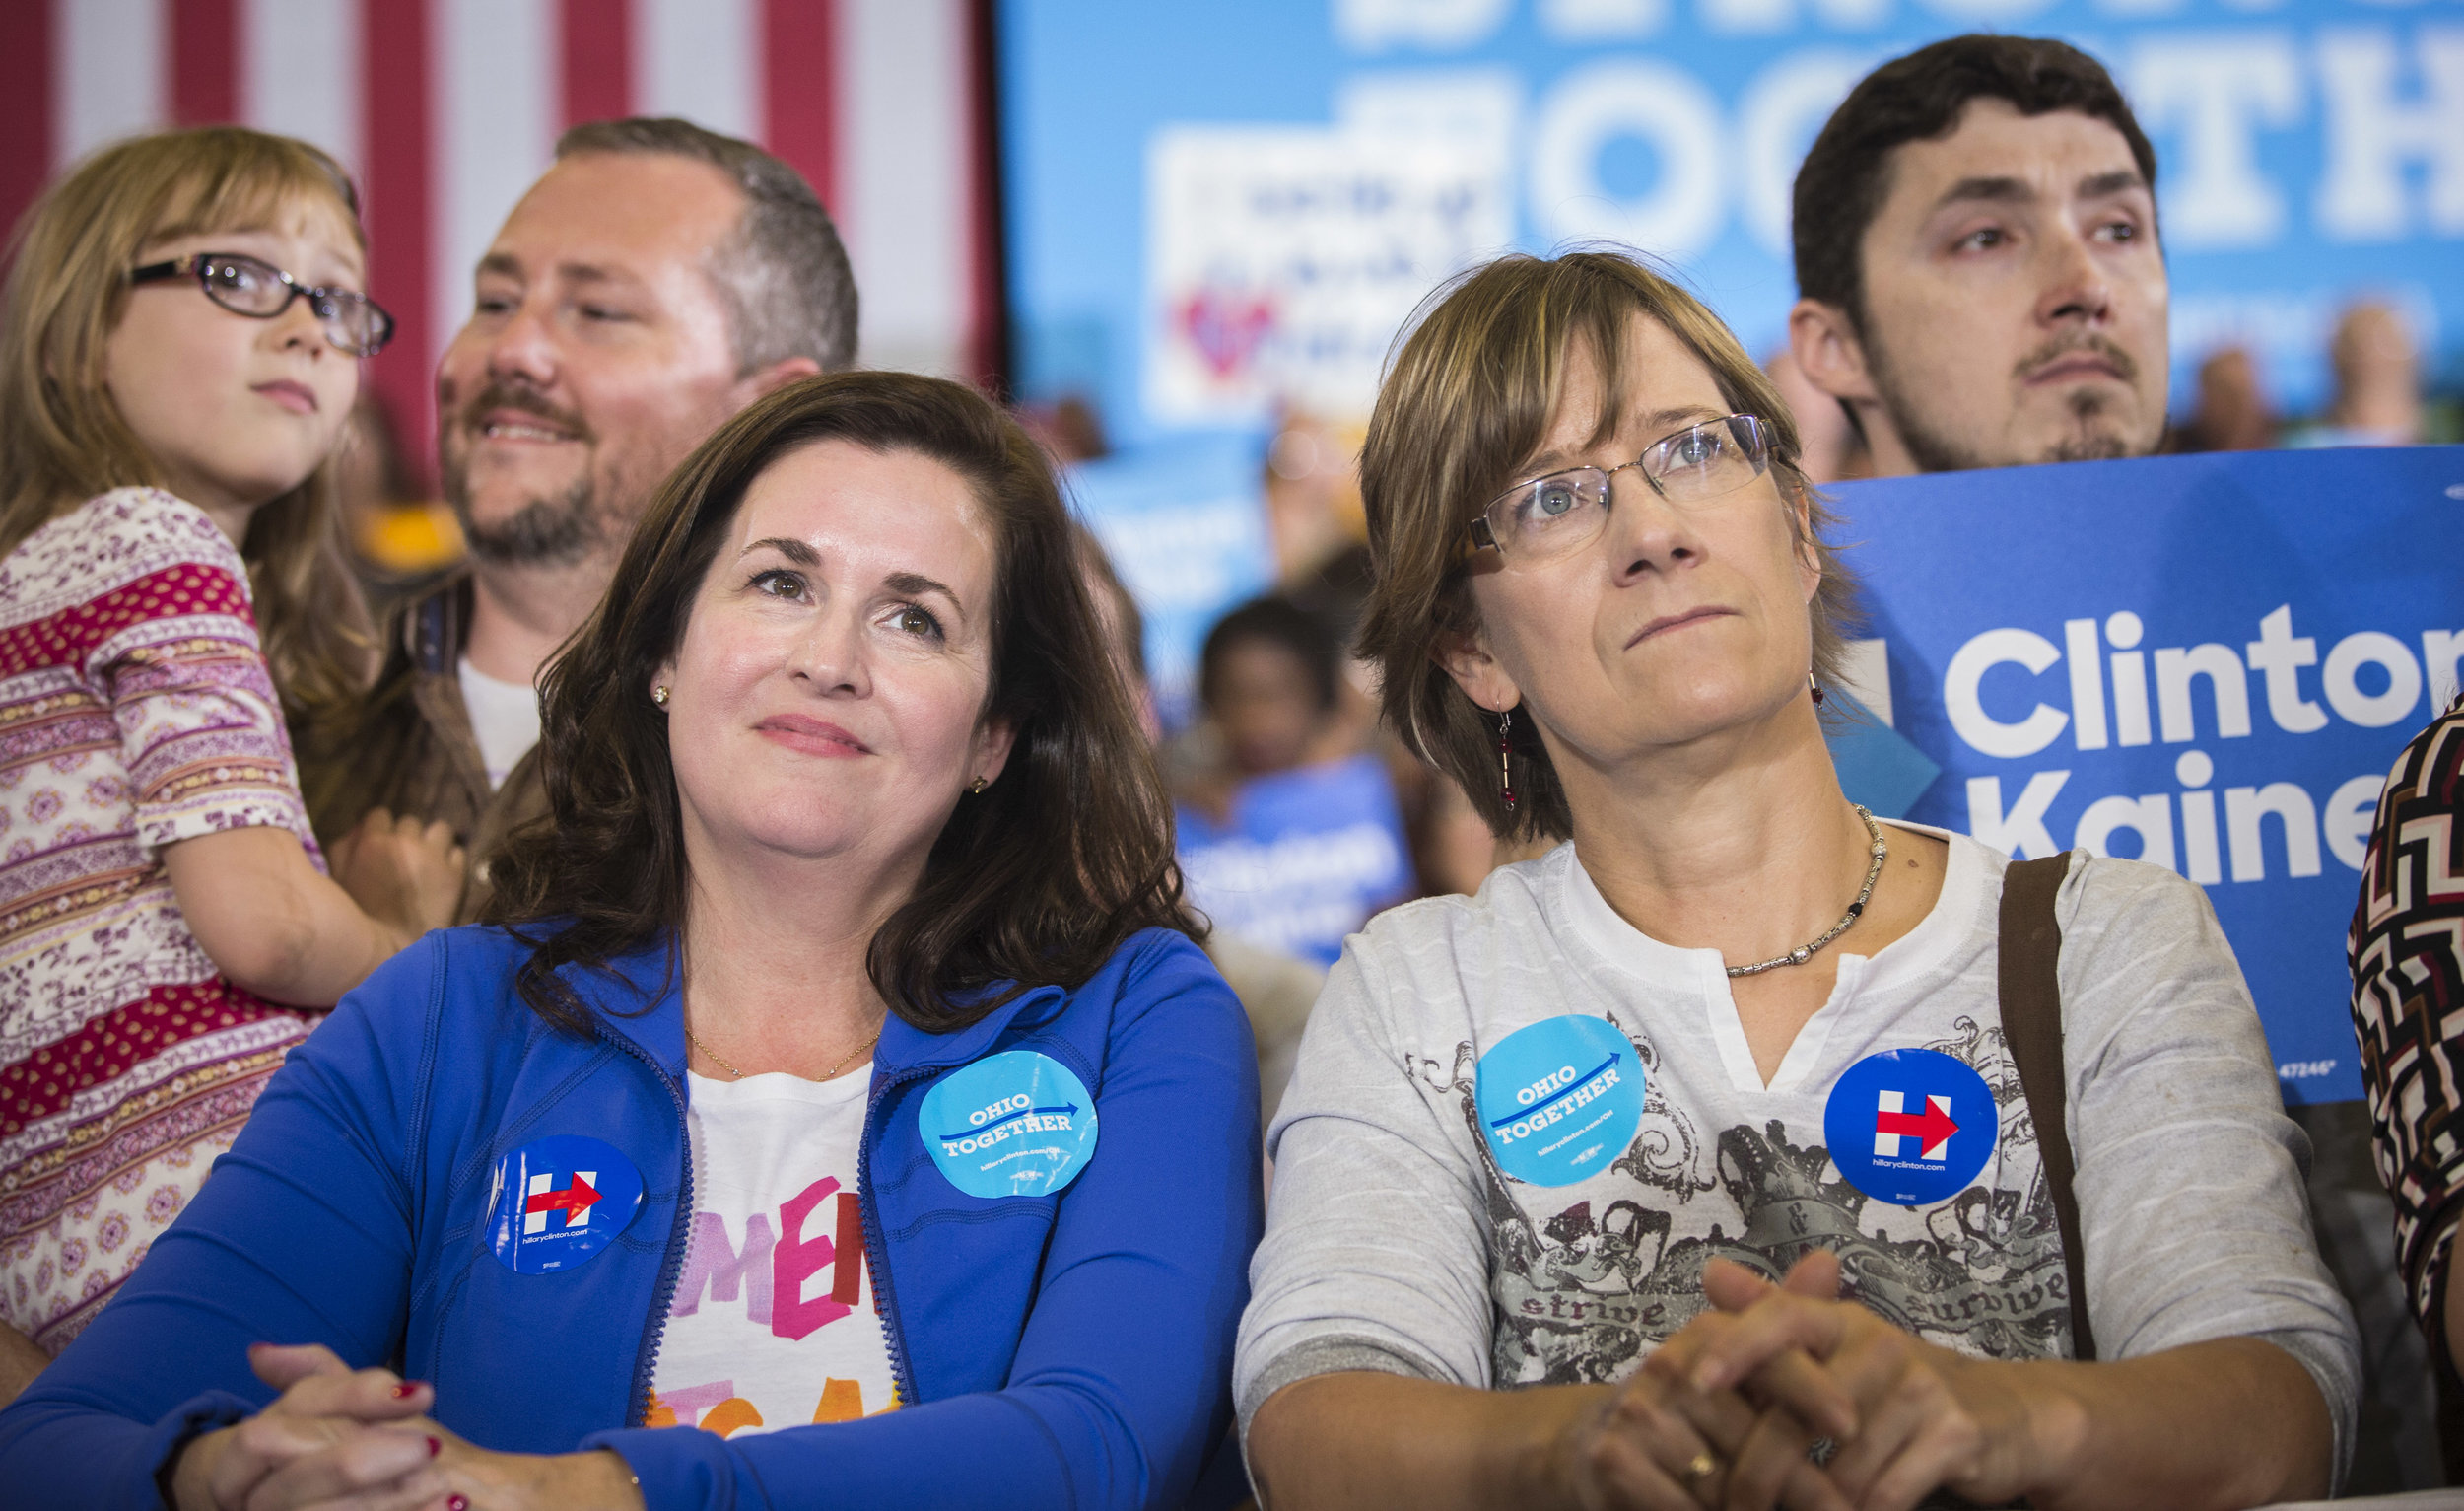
column 773, row 1321
column 1447, row 1206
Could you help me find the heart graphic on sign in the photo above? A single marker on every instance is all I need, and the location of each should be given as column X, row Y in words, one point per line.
column 1225, row 329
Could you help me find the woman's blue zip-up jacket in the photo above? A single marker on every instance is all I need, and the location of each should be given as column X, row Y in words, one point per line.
column 1070, row 1349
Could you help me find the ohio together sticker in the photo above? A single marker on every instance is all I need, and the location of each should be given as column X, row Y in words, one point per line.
column 1018, row 1124
column 557, row 1202
column 1910, row 1126
column 1559, row 1100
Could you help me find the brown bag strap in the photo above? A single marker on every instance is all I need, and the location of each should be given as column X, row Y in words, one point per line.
column 2031, row 1025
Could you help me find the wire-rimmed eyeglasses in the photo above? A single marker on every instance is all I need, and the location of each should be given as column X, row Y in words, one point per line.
column 243, row 285
column 1546, row 518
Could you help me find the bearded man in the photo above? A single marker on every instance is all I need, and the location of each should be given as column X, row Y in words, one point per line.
column 1981, row 279
column 656, row 279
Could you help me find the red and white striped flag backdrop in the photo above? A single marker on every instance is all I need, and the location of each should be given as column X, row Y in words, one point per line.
column 447, row 109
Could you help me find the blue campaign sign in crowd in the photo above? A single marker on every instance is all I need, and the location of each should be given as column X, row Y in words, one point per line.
column 2207, row 662
column 1185, row 526
column 1301, row 858
column 1215, row 210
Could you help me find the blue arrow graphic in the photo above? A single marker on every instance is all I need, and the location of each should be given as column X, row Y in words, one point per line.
column 1070, row 1107
column 1563, row 1092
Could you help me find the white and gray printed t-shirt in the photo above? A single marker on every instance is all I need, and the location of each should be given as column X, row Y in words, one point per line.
column 1396, row 1241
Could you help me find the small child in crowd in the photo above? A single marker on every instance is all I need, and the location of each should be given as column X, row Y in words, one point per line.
column 1296, row 838
column 179, row 354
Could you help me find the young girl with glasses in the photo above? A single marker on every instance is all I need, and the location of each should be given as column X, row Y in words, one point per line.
column 179, row 345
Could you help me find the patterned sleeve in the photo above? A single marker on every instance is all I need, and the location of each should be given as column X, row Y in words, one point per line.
column 2406, row 953
column 200, row 724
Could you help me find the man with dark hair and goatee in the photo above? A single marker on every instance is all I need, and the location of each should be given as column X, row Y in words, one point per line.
column 1981, row 281
column 656, row 279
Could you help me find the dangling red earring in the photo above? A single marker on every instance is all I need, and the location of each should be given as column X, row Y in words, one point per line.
column 1816, row 688
column 1505, row 760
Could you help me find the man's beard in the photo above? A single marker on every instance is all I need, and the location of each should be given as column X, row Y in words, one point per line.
column 1930, row 451
column 1934, row 451
column 544, row 532
column 559, row 531
column 2087, row 444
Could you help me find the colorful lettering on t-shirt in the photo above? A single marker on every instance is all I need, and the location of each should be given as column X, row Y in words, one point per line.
column 764, row 1268
column 773, row 1323
column 717, row 1407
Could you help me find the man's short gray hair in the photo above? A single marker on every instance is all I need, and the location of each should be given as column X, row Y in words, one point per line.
column 782, row 272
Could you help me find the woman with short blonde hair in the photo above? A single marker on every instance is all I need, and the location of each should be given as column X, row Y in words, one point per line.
column 1715, row 1133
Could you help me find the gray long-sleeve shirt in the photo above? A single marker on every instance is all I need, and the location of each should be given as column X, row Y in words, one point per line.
column 1400, row 1239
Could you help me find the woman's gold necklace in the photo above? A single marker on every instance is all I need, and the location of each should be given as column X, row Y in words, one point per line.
column 734, row 1074
column 1856, row 910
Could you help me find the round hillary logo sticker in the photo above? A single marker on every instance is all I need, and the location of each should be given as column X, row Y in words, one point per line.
column 1910, row 1126
column 1018, row 1124
column 1560, row 1099
column 558, row 1201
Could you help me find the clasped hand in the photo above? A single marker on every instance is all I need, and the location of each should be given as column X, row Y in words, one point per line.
column 402, row 872
column 339, row 1439
column 1726, row 1413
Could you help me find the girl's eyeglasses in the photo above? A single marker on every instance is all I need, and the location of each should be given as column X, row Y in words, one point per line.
column 242, row 285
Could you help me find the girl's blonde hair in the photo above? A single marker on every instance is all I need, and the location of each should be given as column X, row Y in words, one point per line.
column 62, row 439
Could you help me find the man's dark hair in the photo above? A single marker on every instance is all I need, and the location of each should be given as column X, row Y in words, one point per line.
column 783, row 271
column 1841, row 185
column 1277, row 620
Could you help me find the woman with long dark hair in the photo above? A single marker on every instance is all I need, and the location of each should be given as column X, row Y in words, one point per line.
column 836, row 1080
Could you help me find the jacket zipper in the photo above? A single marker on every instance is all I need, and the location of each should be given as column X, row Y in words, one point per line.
column 654, row 1327
column 885, row 1295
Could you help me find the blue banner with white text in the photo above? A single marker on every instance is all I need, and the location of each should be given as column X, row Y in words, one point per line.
column 2206, row 663
column 1215, row 209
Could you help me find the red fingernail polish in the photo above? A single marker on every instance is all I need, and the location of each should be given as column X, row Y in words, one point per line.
column 406, row 1389
column 435, row 1448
